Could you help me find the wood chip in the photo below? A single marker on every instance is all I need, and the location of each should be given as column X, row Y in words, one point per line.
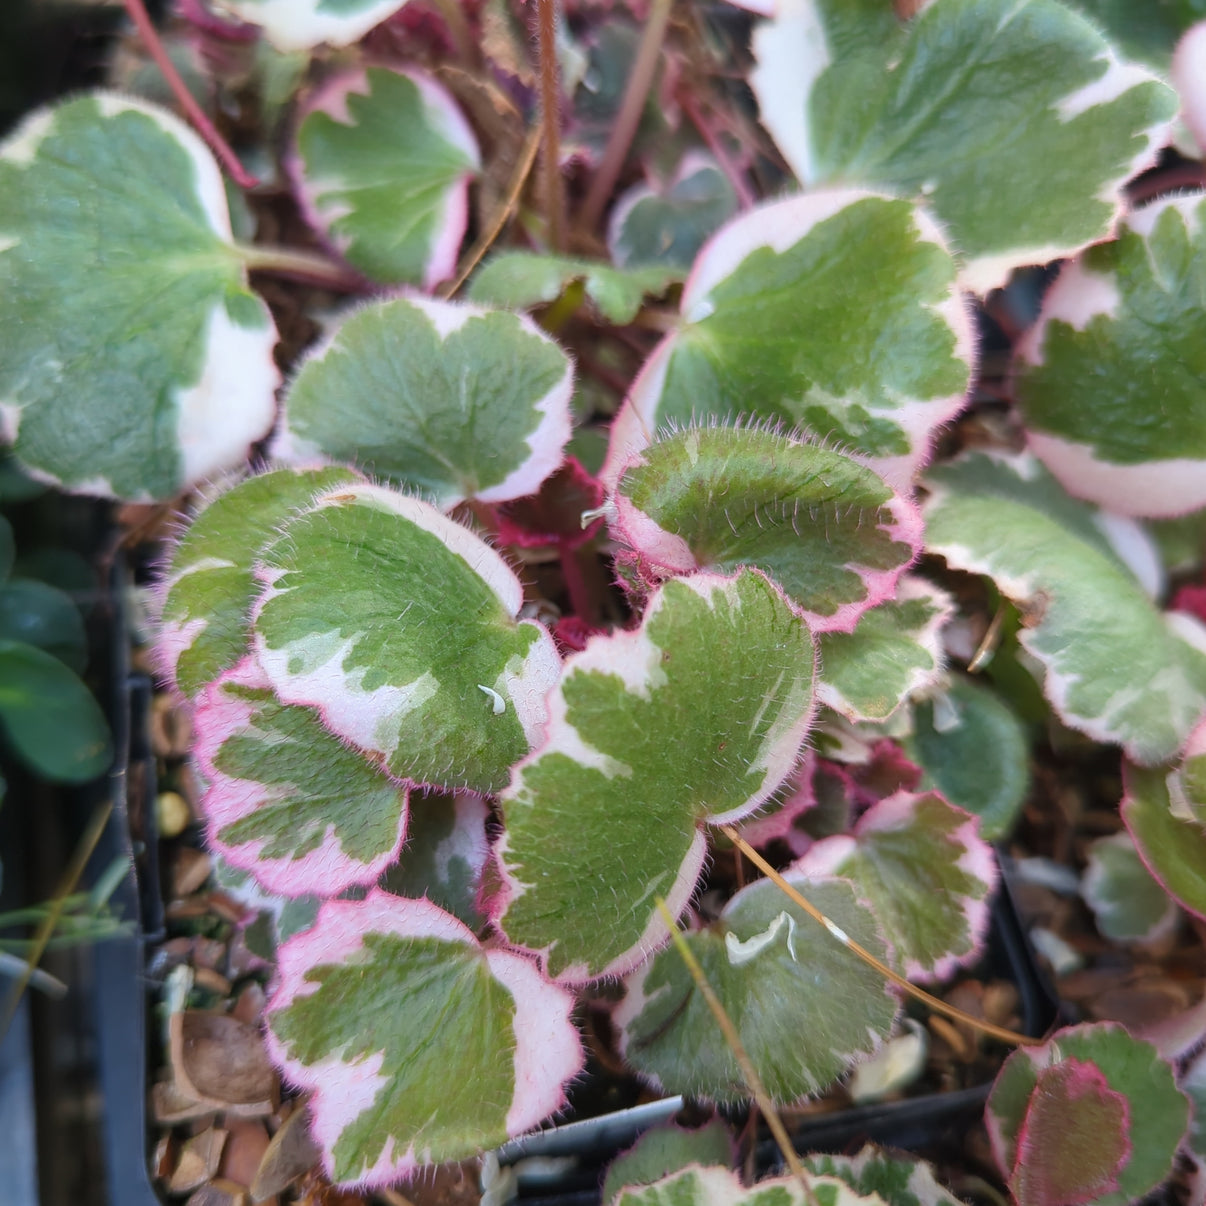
column 212, row 981
column 171, row 730
column 198, row 1161
column 249, row 1007
column 219, row 1193
column 220, row 1058
column 291, row 1154
column 245, row 1148
column 170, row 1107
column 190, row 870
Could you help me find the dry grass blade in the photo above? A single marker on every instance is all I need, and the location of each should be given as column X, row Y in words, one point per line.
column 733, row 1039
column 67, row 885
column 939, row 1006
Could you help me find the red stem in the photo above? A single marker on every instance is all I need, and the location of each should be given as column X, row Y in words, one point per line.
column 229, row 160
column 745, row 195
column 575, row 584
column 550, row 120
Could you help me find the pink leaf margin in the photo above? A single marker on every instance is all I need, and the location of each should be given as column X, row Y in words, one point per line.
column 331, row 98
column 324, row 871
column 672, row 554
column 630, row 655
column 1154, row 489
column 1068, row 1082
column 780, row 225
column 899, row 811
column 546, row 441
column 352, row 715
column 548, row 1051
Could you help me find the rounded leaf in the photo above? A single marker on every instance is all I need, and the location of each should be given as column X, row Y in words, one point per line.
column 804, row 1006
column 894, row 653
column 824, row 527
column 851, row 95
column 45, row 617
column 382, row 166
column 301, row 24
column 419, row 1044
column 287, row 800
column 1172, row 849
column 1128, row 904
column 1116, row 668
column 207, row 584
column 835, row 313
column 137, row 361
column 445, row 399
column 921, row 865
column 1090, row 1118
column 974, row 750
column 695, row 717
column 49, row 717
column 400, row 626
column 1110, row 378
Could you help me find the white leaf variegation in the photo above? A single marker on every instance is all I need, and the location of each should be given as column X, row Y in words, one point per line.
column 389, row 618
column 302, row 24
column 835, row 314
column 695, row 717
column 1111, row 377
column 1116, row 667
column 420, row 1044
column 448, row 400
column 851, row 95
column 138, row 363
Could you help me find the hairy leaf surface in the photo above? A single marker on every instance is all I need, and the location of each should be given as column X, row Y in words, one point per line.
column 419, row 1044
column 804, row 1006
column 827, row 529
column 447, row 400
column 399, row 626
column 1116, row 668
column 835, row 313
column 696, row 716
column 137, row 361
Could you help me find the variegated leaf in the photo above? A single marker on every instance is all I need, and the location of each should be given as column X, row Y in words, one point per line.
column 382, row 166
column 852, row 95
column 824, row 527
column 208, row 586
column 1111, row 378
column 447, row 400
column 1092, row 1116
column 1172, row 849
column 894, row 653
column 696, row 716
column 419, row 1044
column 835, row 313
column 137, row 361
column 301, row 24
column 400, row 626
column 898, row 1180
column 1116, row 668
column 287, row 800
column 805, row 1007
column 1128, row 904
column 920, row 863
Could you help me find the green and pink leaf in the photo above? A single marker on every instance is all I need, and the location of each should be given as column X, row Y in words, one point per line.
column 1109, row 378
column 696, row 717
column 1091, row 1116
column 381, row 167
column 823, row 526
column 920, row 863
column 835, row 314
column 400, row 626
column 419, row 1044
column 284, row 798
column 447, row 400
